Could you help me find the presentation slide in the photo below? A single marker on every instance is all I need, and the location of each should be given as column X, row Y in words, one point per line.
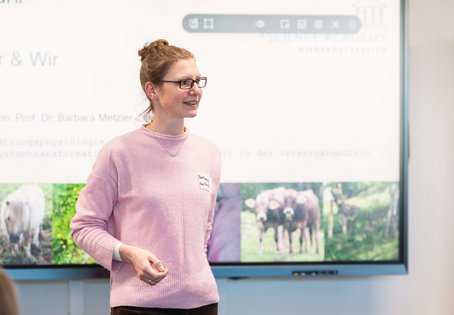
column 303, row 99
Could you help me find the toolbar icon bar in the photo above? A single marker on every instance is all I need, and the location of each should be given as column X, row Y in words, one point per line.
column 243, row 23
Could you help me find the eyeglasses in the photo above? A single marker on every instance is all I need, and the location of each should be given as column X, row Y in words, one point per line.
column 187, row 84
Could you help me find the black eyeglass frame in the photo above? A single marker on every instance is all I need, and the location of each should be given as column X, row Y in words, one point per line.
column 181, row 82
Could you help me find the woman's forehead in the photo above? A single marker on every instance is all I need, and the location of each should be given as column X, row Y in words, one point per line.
column 184, row 67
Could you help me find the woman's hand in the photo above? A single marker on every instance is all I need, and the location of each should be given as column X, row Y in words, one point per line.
column 147, row 266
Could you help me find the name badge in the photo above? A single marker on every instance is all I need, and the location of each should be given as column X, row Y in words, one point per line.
column 204, row 182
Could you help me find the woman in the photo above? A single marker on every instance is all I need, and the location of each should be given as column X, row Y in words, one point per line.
column 8, row 299
column 146, row 211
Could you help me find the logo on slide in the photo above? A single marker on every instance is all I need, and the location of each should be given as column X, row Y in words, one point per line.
column 370, row 12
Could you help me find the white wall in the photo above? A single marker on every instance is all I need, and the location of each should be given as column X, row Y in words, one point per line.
column 428, row 289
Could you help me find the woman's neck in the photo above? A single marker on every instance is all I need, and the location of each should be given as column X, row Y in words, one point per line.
column 171, row 128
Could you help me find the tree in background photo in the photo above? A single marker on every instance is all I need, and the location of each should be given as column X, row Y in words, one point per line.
column 63, row 248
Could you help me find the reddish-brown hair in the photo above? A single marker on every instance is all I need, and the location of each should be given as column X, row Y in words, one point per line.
column 157, row 58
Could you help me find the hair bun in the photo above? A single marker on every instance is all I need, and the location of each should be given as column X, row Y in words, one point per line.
column 150, row 48
column 159, row 42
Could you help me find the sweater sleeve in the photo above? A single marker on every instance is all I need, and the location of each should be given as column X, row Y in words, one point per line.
column 92, row 226
column 215, row 177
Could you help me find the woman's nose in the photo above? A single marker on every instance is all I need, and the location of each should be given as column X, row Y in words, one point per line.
column 195, row 89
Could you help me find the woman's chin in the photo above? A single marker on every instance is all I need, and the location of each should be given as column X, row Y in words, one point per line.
column 191, row 113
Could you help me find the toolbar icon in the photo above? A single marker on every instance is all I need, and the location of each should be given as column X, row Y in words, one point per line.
column 208, row 23
column 318, row 24
column 260, row 24
column 352, row 24
column 284, row 24
column 301, row 24
column 335, row 24
column 193, row 23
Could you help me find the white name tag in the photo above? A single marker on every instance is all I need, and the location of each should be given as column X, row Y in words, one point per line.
column 204, row 182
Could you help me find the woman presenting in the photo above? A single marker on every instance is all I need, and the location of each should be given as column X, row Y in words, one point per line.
column 146, row 212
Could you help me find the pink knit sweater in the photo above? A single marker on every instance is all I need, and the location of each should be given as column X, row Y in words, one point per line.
column 156, row 192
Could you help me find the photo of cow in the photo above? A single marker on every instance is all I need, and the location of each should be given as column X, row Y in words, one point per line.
column 25, row 227
column 331, row 221
column 281, row 222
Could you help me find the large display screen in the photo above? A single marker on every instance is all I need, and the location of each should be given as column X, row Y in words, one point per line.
column 305, row 99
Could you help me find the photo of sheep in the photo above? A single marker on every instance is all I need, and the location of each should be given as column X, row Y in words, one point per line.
column 25, row 224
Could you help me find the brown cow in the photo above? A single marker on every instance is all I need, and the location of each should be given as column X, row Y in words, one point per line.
column 302, row 211
column 268, row 206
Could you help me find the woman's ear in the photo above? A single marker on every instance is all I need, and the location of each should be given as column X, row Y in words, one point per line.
column 150, row 90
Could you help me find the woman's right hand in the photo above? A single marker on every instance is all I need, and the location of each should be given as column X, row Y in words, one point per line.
column 147, row 266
